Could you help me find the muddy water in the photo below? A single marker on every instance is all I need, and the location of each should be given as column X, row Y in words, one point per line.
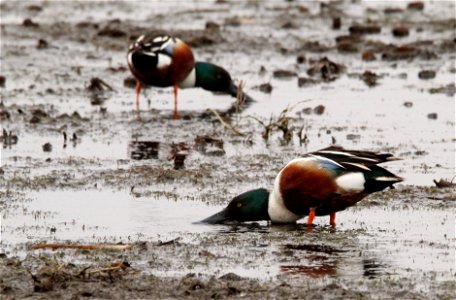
column 396, row 244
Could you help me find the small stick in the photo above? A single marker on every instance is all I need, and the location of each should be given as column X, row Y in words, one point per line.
column 79, row 246
column 226, row 125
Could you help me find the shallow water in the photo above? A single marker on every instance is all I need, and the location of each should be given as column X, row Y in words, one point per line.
column 92, row 191
column 390, row 240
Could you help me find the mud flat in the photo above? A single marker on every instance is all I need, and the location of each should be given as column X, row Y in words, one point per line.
column 79, row 165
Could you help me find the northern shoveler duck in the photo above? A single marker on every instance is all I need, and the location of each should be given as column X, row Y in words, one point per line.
column 318, row 184
column 165, row 61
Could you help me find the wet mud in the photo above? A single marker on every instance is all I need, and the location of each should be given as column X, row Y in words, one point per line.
column 80, row 165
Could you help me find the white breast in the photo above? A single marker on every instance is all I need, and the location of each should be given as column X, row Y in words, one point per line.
column 189, row 81
column 276, row 208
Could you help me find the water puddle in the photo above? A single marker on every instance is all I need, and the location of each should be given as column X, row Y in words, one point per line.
column 370, row 242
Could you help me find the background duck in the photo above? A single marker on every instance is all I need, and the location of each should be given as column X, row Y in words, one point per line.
column 319, row 183
column 165, row 61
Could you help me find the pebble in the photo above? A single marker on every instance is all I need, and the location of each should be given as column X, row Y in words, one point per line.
column 364, row 29
column 417, row 5
column 400, row 31
column 47, row 147
column 265, row 88
column 283, row 73
column 432, row 116
column 368, row 55
column 408, row 104
column 426, row 74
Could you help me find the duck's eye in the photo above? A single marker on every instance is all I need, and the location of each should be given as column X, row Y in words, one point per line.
column 239, row 204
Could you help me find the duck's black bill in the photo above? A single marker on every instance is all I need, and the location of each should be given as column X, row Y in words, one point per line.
column 218, row 218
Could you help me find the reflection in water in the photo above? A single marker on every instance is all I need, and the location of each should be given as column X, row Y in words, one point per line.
column 315, row 271
column 372, row 268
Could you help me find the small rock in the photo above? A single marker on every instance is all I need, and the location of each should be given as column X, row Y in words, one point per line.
column 307, row 110
column 300, row 59
column 4, row 115
column 47, row 147
column 319, row 110
column 303, row 9
column 368, row 55
column 336, row 23
column 349, row 39
column 417, row 5
column 283, row 74
column 265, row 88
column 231, row 277
column 179, row 159
column 432, row 116
column 347, row 47
column 400, row 31
column 2, row 81
column 42, row 44
column 393, row 10
column 29, row 23
column 426, row 74
column 233, row 21
column 97, row 85
column 408, row 104
column 306, row 81
column 364, row 29
column 290, row 25
column 370, row 78
column 397, row 53
column 179, row 153
column 34, row 8
column 449, row 90
column 211, row 25
column 353, row 137
column 130, row 82
column 325, row 69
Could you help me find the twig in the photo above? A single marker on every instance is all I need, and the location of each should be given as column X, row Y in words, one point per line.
column 226, row 125
column 160, row 243
column 240, row 96
column 87, row 247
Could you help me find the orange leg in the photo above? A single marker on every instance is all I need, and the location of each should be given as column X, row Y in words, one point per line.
column 138, row 90
column 176, row 114
column 311, row 216
column 332, row 219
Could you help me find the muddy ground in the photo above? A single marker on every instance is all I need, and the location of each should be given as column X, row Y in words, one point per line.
column 376, row 76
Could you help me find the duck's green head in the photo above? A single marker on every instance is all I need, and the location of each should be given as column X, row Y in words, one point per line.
column 213, row 78
column 249, row 206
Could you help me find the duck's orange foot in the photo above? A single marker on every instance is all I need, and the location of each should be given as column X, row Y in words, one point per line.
column 176, row 115
column 332, row 219
column 311, row 217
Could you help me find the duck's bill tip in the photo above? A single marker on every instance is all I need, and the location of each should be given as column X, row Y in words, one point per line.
column 218, row 218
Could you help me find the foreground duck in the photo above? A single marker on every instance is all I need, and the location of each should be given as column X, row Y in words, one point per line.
column 318, row 184
column 165, row 61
